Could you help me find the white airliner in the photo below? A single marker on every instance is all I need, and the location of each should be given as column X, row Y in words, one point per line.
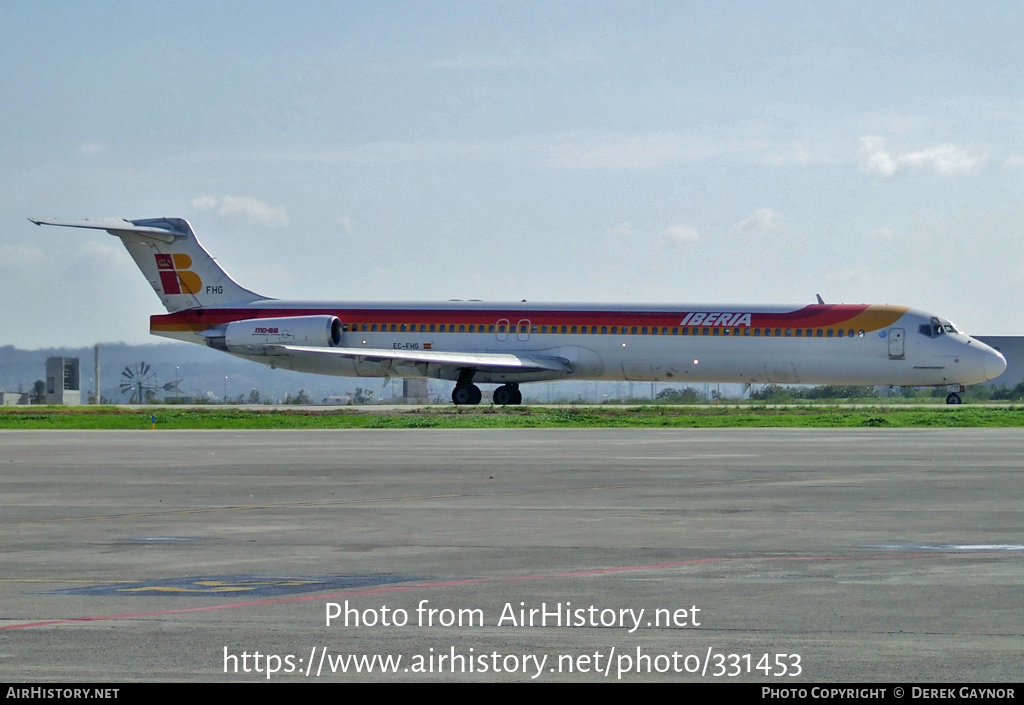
column 512, row 343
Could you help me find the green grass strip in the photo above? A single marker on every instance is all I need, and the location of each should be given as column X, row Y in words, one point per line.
column 116, row 418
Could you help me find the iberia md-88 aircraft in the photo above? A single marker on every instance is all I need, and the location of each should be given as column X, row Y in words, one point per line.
column 512, row 343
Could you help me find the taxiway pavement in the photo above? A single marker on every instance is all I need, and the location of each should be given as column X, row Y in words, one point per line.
column 848, row 555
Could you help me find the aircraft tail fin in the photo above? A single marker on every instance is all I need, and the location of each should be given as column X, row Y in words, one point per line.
column 180, row 270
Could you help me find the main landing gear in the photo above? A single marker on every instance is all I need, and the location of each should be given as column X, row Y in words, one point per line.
column 467, row 394
column 465, row 391
column 508, row 395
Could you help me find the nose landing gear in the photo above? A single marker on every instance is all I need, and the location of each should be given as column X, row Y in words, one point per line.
column 954, row 394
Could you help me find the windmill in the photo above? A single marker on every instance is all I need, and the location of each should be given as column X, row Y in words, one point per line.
column 137, row 379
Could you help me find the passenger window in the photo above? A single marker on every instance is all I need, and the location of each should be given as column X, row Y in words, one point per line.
column 725, row 331
column 799, row 332
column 654, row 330
column 830, row 332
column 778, row 332
column 604, row 330
column 860, row 333
column 634, row 330
column 643, row 331
column 818, row 333
column 757, row 332
column 432, row 327
column 789, row 332
column 675, row 331
column 394, row 327
column 501, row 328
column 564, row 329
column 533, row 329
column 715, row 331
column 403, row 327
column 615, row 330
column 704, row 331
column 490, row 328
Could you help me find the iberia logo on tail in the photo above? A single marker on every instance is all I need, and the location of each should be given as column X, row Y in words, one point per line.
column 175, row 275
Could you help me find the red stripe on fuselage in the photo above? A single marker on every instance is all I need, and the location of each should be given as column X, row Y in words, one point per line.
column 813, row 316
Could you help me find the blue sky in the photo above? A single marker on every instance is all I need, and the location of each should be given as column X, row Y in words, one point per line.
column 560, row 151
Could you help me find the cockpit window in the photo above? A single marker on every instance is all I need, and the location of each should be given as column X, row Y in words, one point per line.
column 936, row 328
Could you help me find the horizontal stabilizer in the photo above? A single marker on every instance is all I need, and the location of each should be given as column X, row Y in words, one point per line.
column 116, row 226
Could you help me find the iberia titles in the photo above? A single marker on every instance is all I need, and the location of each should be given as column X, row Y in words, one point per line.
column 716, row 319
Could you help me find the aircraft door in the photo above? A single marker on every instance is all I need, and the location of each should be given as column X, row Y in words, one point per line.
column 523, row 334
column 897, row 349
column 501, row 330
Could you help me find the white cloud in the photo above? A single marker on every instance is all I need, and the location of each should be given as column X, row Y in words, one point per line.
column 251, row 209
column 90, row 148
column 20, row 256
column 763, row 220
column 882, row 233
column 946, row 159
column 623, row 231
column 678, row 236
column 569, row 56
column 642, row 151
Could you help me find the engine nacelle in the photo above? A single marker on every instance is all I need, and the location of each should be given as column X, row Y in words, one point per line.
column 251, row 336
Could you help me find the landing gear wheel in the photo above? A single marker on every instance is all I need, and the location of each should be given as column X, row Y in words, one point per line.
column 508, row 395
column 467, row 394
column 953, row 398
column 503, row 395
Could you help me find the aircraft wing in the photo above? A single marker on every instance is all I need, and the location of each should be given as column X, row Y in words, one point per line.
column 426, row 361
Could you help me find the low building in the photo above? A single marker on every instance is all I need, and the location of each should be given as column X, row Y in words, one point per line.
column 63, row 381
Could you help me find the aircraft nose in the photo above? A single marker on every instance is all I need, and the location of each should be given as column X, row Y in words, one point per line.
column 995, row 364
